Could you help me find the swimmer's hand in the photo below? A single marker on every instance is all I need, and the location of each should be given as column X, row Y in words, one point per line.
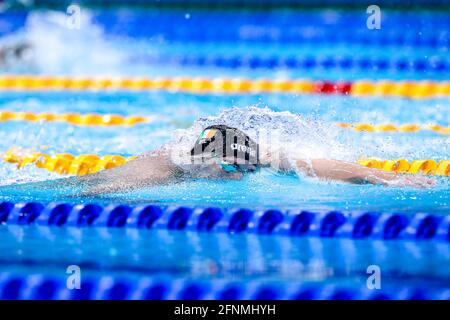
column 410, row 181
column 358, row 174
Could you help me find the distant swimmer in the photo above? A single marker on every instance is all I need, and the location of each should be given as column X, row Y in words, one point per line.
column 223, row 152
column 14, row 54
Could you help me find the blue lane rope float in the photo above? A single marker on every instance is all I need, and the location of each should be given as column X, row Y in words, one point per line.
column 435, row 64
column 12, row 21
column 320, row 19
column 359, row 225
column 295, row 36
column 257, row 27
column 257, row 3
column 45, row 287
column 262, row 27
column 251, row 27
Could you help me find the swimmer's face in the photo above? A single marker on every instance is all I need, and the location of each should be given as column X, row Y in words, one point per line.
column 211, row 168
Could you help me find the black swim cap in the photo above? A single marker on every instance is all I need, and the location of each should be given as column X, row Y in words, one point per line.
column 226, row 142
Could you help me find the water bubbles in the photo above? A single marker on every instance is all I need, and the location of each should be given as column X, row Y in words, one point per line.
column 53, row 48
column 296, row 135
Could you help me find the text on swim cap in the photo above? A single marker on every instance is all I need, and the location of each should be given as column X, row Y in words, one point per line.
column 242, row 148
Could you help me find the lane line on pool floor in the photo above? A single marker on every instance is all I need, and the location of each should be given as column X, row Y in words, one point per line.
column 95, row 119
column 66, row 163
column 409, row 88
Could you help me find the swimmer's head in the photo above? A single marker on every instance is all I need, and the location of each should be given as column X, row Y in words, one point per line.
column 234, row 150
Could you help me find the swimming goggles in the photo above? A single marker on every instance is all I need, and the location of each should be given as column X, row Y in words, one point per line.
column 233, row 167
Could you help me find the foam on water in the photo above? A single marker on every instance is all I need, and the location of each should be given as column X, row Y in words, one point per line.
column 58, row 48
column 294, row 135
column 306, row 130
column 94, row 49
column 301, row 137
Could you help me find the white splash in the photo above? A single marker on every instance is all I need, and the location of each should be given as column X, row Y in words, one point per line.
column 56, row 48
column 296, row 136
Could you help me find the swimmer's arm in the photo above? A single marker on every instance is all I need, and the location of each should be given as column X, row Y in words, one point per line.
column 354, row 173
column 144, row 171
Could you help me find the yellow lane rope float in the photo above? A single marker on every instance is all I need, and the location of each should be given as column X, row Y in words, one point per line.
column 429, row 167
column 388, row 127
column 410, row 89
column 94, row 119
column 90, row 119
column 66, row 163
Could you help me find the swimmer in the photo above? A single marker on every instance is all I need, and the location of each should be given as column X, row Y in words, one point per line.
column 222, row 152
column 14, row 54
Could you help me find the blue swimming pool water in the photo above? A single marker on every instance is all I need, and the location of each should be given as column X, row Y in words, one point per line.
column 263, row 189
column 128, row 41
column 133, row 254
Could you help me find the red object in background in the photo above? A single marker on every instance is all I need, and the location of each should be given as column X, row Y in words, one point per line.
column 344, row 87
column 333, row 87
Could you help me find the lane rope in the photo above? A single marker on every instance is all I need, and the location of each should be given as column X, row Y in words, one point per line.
column 79, row 119
column 389, row 127
column 66, row 163
column 94, row 119
column 409, row 89
column 435, row 65
column 50, row 286
column 277, row 222
column 426, row 166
